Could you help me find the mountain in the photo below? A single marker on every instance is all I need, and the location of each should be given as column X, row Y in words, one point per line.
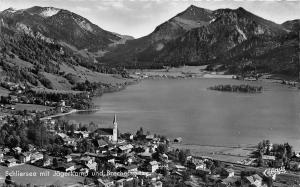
column 68, row 28
column 44, row 64
column 293, row 25
column 233, row 39
column 153, row 43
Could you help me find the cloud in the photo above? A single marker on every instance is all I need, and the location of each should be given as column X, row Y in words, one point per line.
column 82, row 9
column 116, row 5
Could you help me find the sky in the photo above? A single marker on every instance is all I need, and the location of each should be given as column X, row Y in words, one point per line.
column 138, row 18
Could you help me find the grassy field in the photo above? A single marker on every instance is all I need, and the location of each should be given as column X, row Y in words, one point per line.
column 3, row 92
column 22, row 107
column 39, row 179
column 228, row 154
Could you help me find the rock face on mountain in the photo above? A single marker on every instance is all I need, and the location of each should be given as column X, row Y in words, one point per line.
column 233, row 38
column 60, row 25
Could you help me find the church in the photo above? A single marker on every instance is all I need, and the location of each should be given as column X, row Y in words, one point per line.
column 110, row 133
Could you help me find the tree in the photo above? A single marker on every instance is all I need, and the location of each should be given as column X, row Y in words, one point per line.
column 8, row 180
column 182, row 155
column 45, row 157
column 162, row 148
column 55, row 162
column 268, row 181
column 85, row 182
column 289, row 150
column 140, row 132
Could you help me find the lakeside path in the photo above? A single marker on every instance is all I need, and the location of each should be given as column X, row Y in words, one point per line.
column 68, row 113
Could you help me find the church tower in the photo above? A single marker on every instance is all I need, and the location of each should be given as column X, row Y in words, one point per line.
column 115, row 129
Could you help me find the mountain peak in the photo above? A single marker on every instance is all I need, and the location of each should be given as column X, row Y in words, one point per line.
column 195, row 8
column 195, row 13
column 43, row 11
column 241, row 9
column 10, row 10
column 191, row 7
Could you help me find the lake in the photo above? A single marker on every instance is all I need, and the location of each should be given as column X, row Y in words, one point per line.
column 186, row 108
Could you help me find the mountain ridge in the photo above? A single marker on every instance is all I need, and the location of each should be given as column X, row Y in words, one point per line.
column 61, row 25
column 223, row 32
column 229, row 38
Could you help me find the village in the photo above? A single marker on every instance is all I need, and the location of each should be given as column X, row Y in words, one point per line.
column 103, row 156
column 106, row 157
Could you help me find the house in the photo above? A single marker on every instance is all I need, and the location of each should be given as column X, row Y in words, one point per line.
column 125, row 148
column 69, row 141
column 86, row 160
column 180, row 168
column 47, row 162
column 36, row 156
column 105, row 183
column 89, row 162
column 153, row 166
column 203, row 171
column 31, row 147
column 150, row 137
column 25, row 157
column 81, row 134
column 132, row 168
column 152, row 148
column 14, row 99
column 92, row 166
column 17, row 150
column 111, row 160
column 254, row 180
column 229, row 172
column 197, row 165
column 128, row 136
column 102, row 143
column 6, row 150
column 120, row 183
column 165, row 157
column 178, row 140
column 156, row 184
column 62, row 103
column 230, row 181
column 62, row 135
column 67, row 158
column 268, row 157
column 68, row 167
column 10, row 162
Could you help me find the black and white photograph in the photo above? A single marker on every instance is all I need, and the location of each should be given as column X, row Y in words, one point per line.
column 149, row 93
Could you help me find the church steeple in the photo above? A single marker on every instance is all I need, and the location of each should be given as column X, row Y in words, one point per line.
column 115, row 129
column 115, row 120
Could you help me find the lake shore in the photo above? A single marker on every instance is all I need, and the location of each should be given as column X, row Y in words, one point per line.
column 68, row 113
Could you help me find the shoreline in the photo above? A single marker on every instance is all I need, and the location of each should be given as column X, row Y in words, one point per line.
column 187, row 72
column 68, row 113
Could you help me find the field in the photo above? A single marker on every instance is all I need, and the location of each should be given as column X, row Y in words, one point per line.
column 228, row 154
column 183, row 71
column 30, row 107
column 39, row 179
